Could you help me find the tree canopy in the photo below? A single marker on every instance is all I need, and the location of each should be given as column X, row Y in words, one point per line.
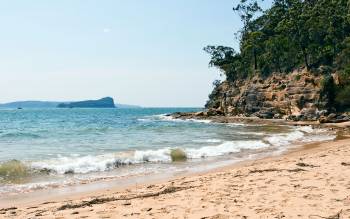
column 289, row 35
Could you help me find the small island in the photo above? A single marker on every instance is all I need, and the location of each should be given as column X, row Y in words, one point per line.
column 106, row 102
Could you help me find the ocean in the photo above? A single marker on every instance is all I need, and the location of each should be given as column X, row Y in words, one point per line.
column 50, row 148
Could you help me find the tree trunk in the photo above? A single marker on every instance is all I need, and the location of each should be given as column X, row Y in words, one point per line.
column 255, row 60
column 305, row 58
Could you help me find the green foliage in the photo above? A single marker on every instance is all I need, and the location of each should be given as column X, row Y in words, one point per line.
column 291, row 34
column 228, row 61
column 343, row 98
column 329, row 91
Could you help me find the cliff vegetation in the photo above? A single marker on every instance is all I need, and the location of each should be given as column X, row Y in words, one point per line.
column 294, row 43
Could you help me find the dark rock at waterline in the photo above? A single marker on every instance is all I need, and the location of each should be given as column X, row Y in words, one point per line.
column 215, row 112
column 46, row 171
column 117, row 164
column 68, row 172
column 335, row 118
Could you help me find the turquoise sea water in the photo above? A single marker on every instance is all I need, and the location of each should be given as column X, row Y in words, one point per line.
column 40, row 148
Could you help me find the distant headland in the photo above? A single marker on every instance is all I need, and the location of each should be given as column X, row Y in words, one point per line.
column 106, row 102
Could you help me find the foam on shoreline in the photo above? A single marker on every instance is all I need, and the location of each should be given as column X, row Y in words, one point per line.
column 86, row 166
column 216, row 147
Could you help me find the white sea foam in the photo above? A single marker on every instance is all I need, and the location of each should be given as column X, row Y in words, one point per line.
column 224, row 148
column 251, row 133
column 28, row 187
column 165, row 117
column 300, row 134
column 106, row 162
column 144, row 119
column 285, row 138
column 83, row 164
column 160, row 155
column 306, row 129
column 207, row 140
column 237, row 124
column 99, row 163
column 318, row 138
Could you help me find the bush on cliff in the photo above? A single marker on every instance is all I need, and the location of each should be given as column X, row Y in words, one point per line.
column 343, row 98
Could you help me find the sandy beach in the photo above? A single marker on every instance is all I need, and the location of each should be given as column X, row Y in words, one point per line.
column 309, row 182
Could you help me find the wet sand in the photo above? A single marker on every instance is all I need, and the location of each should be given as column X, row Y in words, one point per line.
column 309, row 182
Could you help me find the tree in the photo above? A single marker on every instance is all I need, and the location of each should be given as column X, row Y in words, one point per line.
column 290, row 34
column 227, row 60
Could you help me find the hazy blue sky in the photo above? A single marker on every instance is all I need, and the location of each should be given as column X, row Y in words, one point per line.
column 139, row 52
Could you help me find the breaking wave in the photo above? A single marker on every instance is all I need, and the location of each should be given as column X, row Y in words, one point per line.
column 106, row 162
column 86, row 164
column 166, row 117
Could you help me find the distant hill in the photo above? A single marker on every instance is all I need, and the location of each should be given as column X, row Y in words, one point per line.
column 106, row 102
column 30, row 104
column 51, row 104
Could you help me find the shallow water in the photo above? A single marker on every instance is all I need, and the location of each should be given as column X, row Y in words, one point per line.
column 71, row 146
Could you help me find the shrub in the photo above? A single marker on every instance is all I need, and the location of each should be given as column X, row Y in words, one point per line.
column 343, row 97
column 328, row 91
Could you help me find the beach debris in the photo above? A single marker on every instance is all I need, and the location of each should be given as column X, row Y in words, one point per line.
column 147, row 209
column 276, row 170
column 336, row 216
column 46, row 203
column 170, row 189
column 8, row 209
column 178, row 155
column 265, row 170
column 296, row 170
column 306, row 165
column 345, row 164
column 217, row 216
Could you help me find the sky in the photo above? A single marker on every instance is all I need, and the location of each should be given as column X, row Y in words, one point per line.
column 142, row 52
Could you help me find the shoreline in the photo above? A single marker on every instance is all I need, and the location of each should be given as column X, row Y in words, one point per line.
column 49, row 206
column 201, row 167
column 256, row 120
column 186, row 168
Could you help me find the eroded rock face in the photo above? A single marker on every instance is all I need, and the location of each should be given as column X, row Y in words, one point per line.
column 296, row 96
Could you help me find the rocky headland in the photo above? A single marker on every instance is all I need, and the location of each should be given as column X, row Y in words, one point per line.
column 297, row 96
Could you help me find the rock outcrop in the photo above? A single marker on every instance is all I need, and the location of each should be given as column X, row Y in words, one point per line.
column 295, row 96
column 106, row 102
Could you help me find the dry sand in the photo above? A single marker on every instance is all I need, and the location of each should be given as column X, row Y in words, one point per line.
column 313, row 182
